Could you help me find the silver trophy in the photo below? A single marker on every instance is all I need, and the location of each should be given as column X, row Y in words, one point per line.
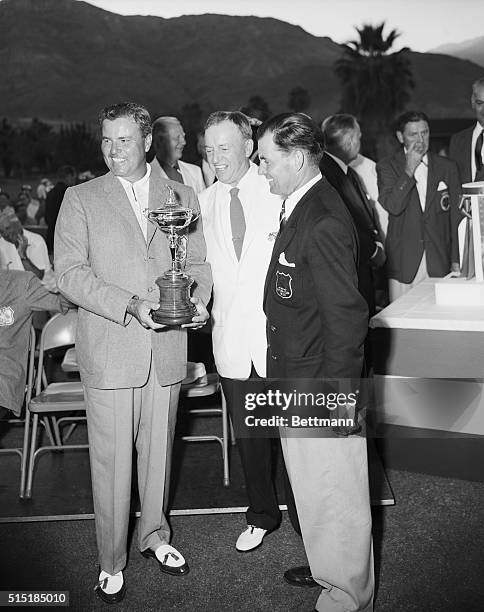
column 175, row 306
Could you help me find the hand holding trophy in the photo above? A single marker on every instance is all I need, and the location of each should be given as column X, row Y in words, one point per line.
column 175, row 306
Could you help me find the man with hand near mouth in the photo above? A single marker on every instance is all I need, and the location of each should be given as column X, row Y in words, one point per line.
column 420, row 192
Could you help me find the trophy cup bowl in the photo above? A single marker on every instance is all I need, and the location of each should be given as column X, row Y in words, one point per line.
column 175, row 306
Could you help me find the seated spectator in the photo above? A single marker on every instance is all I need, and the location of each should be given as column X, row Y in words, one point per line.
column 43, row 189
column 21, row 249
column 22, row 294
column 5, row 204
column 34, row 211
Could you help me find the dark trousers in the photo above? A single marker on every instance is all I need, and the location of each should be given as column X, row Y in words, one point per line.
column 256, row 455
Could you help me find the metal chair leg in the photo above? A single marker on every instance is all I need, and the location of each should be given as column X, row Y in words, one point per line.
column 225, row 438
column 33, row 443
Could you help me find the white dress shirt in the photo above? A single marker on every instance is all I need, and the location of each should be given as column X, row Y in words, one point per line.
column 475, row 135
column 138, row 195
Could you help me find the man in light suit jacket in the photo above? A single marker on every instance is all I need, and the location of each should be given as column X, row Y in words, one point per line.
column 239, row 259
column 168, row 143
column 420, row 191
column 467, row 147
column 317, row 323
column 107, row 257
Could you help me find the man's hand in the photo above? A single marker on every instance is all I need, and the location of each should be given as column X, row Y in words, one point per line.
column 141, row 310
column 455, row 268
column 378, row 258
column 201, row 317
column 414, row 156
column 22, row 245
column 49, row 282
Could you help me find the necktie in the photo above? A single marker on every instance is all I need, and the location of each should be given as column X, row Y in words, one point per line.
column 237, row 221
column 478, row 157
column 173, row 173
column 282, row 216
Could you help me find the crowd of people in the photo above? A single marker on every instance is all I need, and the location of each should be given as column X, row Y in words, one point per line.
column 301, row 240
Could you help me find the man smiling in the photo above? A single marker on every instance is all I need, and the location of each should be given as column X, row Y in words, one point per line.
column 240, row 220
column 107, row 258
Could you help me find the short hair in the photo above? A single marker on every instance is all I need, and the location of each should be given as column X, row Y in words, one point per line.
column 294, row 131
column 336, row 127
column 476, row 84
column 134, row 111
column 239, row 119
column 161, row 124
column 409, row 117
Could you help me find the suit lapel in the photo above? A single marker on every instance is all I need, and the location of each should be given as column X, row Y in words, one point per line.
column 118, row 199
column 432, row 183
column 285, row 237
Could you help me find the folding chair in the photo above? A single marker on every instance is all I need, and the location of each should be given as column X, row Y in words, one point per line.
column 22, row 452
column 55, row 398
column 203, row 385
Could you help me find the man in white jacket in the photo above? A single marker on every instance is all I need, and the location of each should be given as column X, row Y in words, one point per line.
column 241, row 220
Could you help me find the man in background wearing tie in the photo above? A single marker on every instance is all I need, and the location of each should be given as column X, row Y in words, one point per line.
column 240, row 220
column 168, row 143
column 467, row 147
column 420, row 191
column 342, row 136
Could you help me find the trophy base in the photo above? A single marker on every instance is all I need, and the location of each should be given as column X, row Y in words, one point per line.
column 173, row 319
column 175, row 306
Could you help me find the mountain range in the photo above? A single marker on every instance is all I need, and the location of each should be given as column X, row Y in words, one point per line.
column 472, row 50
column 65, row 59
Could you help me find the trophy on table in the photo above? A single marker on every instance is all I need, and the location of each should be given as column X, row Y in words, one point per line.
column 175, row 306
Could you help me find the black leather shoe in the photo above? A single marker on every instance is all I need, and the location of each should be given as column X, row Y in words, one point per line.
column 181, row 570
column 109, row 598
column 300, row 576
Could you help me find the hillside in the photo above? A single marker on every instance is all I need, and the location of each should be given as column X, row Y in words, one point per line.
column 472, row 50
column 72, row 58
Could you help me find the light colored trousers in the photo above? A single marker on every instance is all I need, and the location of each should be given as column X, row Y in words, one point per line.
column 329, row 478
column 117, row 419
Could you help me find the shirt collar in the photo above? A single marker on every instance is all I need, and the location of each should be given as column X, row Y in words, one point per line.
column 240, row 185
column 297, row 195
column 139, row 183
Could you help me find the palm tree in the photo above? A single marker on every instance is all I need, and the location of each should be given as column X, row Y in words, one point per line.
column 376, row 84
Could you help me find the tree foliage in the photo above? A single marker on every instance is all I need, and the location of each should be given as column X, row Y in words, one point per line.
column 376, row 84
column 299, row 99
column 40, row 147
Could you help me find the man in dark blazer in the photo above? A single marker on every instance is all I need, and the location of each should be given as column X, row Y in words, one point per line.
column 466, row 147
column 317, row 323
column 342, row 136
column 420, row 191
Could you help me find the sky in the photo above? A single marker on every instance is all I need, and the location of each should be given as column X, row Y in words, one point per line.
column 424, row 24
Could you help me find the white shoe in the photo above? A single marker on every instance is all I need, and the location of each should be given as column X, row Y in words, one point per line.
column 110, row 588
column 250, row 538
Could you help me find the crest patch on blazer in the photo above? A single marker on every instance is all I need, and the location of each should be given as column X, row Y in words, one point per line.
column 6, row 316
column 283, row 285
column 444, row 201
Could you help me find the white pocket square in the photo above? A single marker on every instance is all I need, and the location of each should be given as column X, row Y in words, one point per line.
column 284, row 262
column 441, row 186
